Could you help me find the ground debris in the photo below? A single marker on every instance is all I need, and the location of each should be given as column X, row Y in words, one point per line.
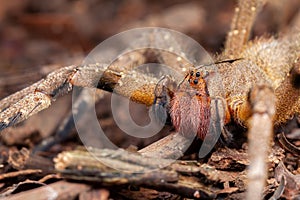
column 229, row 159
column 291, row 182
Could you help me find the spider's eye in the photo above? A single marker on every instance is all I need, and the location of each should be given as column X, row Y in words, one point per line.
column 197, row 74
column 195, row 81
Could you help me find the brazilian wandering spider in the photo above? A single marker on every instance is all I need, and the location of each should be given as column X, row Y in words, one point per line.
column 259, row 90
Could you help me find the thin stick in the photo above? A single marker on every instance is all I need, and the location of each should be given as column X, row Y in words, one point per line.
column 259, row 137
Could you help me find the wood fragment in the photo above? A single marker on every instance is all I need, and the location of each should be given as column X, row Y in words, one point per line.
column 212, row 174
column 24, row 160
column 94, row 194
column 288, row 145
column 229, row 159
column 19, row 173
column 48, row 177
column 24, row 135
column 61, row 190
column 81, row 165
column 20, row 187
column 11, row 99
column 292, row 182
column 172, row 146
column 143, row 193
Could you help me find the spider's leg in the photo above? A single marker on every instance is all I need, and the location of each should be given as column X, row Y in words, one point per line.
column 21, row 105
column 163, row 92
column 87, row 76
column 5, row 102
column 130, row 83
column 260, row 133
column 118, row 74
column 241, row 25
column 37, row 97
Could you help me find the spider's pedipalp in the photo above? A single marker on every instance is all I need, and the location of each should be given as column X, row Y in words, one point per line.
column 163, row 92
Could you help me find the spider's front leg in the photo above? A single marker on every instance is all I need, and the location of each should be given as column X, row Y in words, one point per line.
column 29, row 101
column 37, row 97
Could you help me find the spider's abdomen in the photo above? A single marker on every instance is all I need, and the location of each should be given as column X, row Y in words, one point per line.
column 190, row 114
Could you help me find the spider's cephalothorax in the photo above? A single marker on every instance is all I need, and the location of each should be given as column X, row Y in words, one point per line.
column 190, row 105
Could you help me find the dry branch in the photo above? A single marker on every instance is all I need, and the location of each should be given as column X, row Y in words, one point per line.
column 61, row 190
column 98, row 166
column 260, row 136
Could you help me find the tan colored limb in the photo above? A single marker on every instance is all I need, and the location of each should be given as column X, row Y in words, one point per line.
column 134, row 85
column 31, row 100
column 42, row 93
column 260, row 134
column 241, row 25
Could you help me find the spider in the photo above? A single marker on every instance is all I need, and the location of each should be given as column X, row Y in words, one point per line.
column 259, row 79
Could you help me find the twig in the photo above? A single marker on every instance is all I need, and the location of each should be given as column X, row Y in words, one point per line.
column 58, row 190
column 98, row 166
column 259, row 137
column 24, row 160
column 288, row 145
column 19, row 173
column 172, row 146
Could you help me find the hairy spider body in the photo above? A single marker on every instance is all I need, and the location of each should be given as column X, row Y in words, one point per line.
column 190, row 106
column 257, row 68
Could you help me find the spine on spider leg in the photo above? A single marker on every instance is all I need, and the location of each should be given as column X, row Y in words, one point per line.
column 37, row 97
column 241, row 25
